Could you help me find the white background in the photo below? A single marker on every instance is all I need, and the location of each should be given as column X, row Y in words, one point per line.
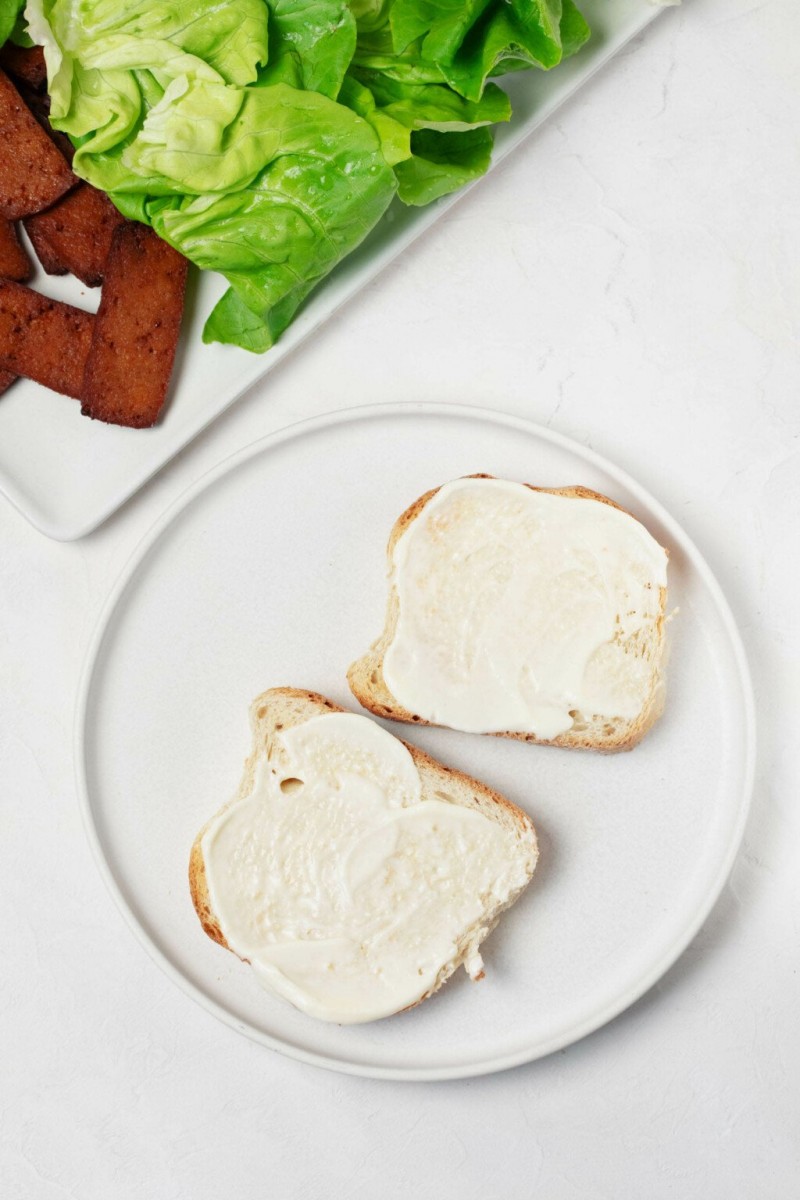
column 631, row 279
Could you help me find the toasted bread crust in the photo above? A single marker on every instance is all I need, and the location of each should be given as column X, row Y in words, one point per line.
column 264, row 713
column 368, row 685
column 200, row 898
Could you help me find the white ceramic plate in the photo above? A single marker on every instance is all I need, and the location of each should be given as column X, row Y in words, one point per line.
column 270, row 571
column 67, row 474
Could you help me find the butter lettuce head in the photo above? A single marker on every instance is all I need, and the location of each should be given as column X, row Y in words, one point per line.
column 264, row 140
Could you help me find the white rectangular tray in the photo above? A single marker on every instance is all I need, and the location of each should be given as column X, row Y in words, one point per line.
column 67, row 474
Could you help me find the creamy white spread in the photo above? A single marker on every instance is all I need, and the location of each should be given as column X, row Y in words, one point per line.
column 520, row 609
column 347, row 891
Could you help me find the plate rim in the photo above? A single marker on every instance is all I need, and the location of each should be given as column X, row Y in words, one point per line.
column 311, row 425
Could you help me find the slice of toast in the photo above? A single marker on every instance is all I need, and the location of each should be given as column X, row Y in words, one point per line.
column 589, row 730
column 490, row 818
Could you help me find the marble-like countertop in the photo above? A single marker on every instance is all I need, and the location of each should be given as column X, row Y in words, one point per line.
column 632, row 279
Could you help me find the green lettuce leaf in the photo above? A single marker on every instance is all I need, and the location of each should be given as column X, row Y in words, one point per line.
column 442, row 24
column 321, row 36
column 395, row 138
column 464, row 42
column 435, row 140
column 108, row 65
column 301, row 181
column 9, row 13
column 441, row 163
column 575, row 31
column 159, row 36
column 233, row 323
column 434, row 106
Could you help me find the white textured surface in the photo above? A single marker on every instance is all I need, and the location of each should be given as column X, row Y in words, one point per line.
column 631, row 278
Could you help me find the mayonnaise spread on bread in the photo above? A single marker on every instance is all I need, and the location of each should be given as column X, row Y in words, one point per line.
column 520, row 611
column 348, row 892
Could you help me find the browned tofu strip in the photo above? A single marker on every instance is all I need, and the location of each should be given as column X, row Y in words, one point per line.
column 75, row 234
column 45, row 253
column 43, row 339
column 6, row 380
column 33, row 171
column 14, row 262
column 24, row 63
column 137, row 329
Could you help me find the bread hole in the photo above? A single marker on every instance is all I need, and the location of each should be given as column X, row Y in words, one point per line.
column 444, row 796
column 261, row 712
column 374, row 677
column 578, row 721
column 290, row 786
